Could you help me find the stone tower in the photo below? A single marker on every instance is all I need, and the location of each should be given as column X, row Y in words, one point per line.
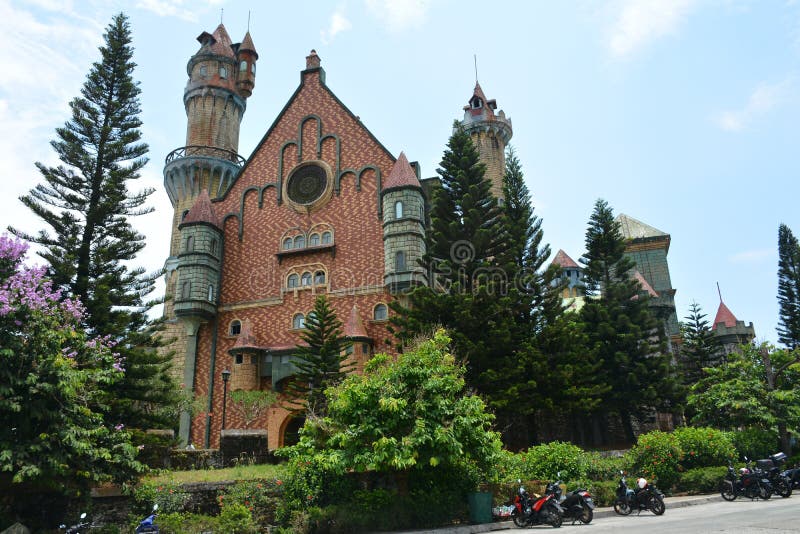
column 729, row 331
column 403, row 227
column 491, row 133
column 221, row 78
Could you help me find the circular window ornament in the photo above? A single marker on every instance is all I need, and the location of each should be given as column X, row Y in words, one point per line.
column 309, row 185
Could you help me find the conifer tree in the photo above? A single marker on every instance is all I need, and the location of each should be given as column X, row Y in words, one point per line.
column 788, row 288
column 620, row 328
column 86, row 203
column 700, row 348
column 321, row 362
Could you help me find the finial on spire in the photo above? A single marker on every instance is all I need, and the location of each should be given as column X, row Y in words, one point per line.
column 221, row 14
column 475, row 58
column 248, row 20
column 719, row 292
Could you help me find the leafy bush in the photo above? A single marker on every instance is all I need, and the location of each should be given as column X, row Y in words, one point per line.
column 657, row 456
column 600, row 467
column 704, row 447
column 603, row 492
column 259, row 497
column 179, row 523
column 236, row 519
column 543, row 462
column 755, row 443
column 701, row 480
column 171, row 498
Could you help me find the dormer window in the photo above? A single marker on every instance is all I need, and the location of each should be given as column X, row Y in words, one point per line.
column 243, row 66
column 476, row 103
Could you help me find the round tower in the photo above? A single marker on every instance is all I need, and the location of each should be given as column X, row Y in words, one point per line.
column 403, row 227
column 491, row 133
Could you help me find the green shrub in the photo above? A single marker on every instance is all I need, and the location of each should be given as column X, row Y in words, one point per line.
column 236, row 519
column 704, row 447
column 701, row 480
column 543, row 462
column 755, row 443
column 260, row 497
column 603, row 491
column 657, row 456
column 171, row 498
column 604, row 467
column 178, row 523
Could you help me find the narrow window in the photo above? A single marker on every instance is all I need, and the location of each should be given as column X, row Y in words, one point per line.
column 184, row 214
column 365, row 348
column 214, row 247
column 239, row 359
column 287, row 243
column 253, row 68
column 223, row 72
column 253, row 359
column 319, row 278
column 327, row 238
column 305, row 280
column 292, row 281
column 299, row 242
column 203, row 71
column 313, row 240
column 236, row 327
column 185, row 290
column 211, row 293
column 380, row 312
column 190, row 244
column 243, row 66
column 400, row 261
column 298, row 321
column 398, row 210
column 349, row 350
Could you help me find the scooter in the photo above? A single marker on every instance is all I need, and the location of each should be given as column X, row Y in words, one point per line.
column 542, row 511
column 148, row 524
column 78, row 528
column 646, row 497
column 578, row 504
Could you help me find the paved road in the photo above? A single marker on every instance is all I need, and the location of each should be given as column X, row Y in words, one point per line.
column 776, row 516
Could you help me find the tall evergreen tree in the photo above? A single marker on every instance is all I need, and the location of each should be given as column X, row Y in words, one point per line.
column 86, row 203
column 788, row 288
column 700, row 348
column 322, row 361
column 625, row 335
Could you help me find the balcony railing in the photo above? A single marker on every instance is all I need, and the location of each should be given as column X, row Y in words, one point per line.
column 205, row 151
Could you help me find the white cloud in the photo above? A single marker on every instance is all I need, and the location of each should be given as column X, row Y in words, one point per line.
column 752, row 256
column 168, row 8
column 399, row 15
column 642, row 21
column 763, row 99
column 338, row 24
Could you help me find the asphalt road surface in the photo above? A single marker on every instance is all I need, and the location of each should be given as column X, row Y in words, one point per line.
column 775, row 516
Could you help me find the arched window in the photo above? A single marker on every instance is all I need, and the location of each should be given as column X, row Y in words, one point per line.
column 235, row 328
column 327, row 238
column 223, row 72
column 300, row 241
column 398, row 210
column 380, row 313
column 213, row 247
column 292, row 281
column 186, row 289
column 211, row 293
column 287, row 243
column 298, row 321
column 184, row 214
column 203, row 71
column 313, row 240
column 253, row 68
column 400, row 261
column 243, row 66
column 190, row 243
column 319, row 278
column 305, row 280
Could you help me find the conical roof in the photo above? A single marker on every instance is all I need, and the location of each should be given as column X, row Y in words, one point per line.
column 402, row 174
column 247, row 44
column 724, row 316
column 354, row 328
column 246, row 339
column 219, row 43
column 202, row 211
column 564, row 261
column 635, row 229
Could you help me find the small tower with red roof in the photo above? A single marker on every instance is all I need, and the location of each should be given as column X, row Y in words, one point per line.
column 490, row 132
column 729, row 331
column 403, row 227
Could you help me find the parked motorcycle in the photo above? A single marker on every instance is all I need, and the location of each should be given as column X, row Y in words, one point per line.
column 148, row 524
column 749, row 483
column 543, row 510
column 646, row 496
column 781, row 484
column 81, row 526
column 794, row 477
column 578, row 504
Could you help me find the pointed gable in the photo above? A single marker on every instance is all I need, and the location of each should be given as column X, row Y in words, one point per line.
column 724, row 316
column 564, row 261
column 246, row 339
column 202, row 211
column 645, row 284
column 354, row 328
column 402, row 175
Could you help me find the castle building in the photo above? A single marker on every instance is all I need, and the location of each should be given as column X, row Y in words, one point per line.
column 729, row 331
column 320, row 207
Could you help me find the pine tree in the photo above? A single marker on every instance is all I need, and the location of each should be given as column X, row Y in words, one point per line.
column 700, row 348
column 788, row 288
column 620, row 328
column 321, row 362
column 86, row 203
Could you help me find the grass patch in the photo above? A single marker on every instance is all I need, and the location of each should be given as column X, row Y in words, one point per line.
column 240, row 472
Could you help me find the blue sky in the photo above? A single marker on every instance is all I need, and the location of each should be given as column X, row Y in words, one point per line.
column 683, row 114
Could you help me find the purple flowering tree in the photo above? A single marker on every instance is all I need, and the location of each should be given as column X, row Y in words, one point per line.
column 52, row 376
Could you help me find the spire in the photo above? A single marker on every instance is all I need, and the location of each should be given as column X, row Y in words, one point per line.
column 247, row 45
column 202, row 211
column 564, row 261
column 724, row 316
column 401, row 175
column 354, row 328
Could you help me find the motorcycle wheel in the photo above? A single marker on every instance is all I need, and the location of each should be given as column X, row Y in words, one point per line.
column 764, row 492
column 726, row 490
column 657, row 505
column 519, row 520
column 783, row 488
column 553, row 518
column 622, row 507
column 586, row 516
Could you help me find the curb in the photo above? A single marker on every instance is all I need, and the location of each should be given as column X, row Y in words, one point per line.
column 671, row 503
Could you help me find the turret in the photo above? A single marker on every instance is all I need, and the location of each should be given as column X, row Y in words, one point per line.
column 246, row 55
column 403, row 227
column 246, row 359
column 729, row 331
column 490, row 132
